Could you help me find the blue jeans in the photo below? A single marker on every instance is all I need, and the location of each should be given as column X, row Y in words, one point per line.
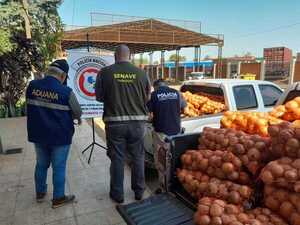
column 126, row 138
column 57, row 157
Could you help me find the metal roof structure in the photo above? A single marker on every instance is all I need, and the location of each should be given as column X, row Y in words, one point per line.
column 146, row 35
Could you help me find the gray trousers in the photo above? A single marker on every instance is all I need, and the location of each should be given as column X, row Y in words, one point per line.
column 126, row 138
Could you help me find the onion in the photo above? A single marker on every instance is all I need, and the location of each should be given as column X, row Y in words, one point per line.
column 203, row 209
column 296, row 164
column 216, row 210
column 291, row 175
column 227, row 168
column 276, row 170
column 267, row 177
column 216, row 221
column 253, row 154
column 202, row 219
column 286, row 209
column 234, row 197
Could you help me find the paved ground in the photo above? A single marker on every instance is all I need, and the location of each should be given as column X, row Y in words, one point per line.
column 88, row 182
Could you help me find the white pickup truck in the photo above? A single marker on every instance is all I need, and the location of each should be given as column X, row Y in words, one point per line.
column 247, row 95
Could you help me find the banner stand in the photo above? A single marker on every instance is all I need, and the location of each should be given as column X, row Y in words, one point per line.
column 92, row 145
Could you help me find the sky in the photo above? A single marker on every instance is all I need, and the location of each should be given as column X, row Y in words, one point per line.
column 247, row 25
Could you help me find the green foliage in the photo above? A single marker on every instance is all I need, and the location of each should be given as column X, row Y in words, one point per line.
column 172, row 58
column 19, row 57
column 5, row 44
column 16, row 69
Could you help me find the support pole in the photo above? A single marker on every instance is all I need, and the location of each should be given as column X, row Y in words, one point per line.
column 228, row 73
column 214, row 70
column 220, row 63
column 262, row 70
column 151, row 65
column 199, row 58
column 292, row 71
column 141, row 60
column 239, row 68
column 162, row 63
column 88, row 41
column 132, row 58
column 177, row 64
column 195, row 59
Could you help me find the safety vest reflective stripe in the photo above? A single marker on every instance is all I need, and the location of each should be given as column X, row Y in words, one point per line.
column 47, row 104
column 125, row 118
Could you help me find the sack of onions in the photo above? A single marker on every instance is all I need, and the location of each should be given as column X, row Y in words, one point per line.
column 201, row 185
column 283, row 202
column 282, row 173
column 221, row 164
column 289, row 111
column 252, row 150
column 215, row 139
column 285, row 139
column 266, row 216
column 249, row 122
column 213, row 211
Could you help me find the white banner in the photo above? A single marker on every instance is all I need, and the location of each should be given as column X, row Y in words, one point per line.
column 83, row 71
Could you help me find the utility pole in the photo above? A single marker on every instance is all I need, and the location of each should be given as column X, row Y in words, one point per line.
column 26, row 19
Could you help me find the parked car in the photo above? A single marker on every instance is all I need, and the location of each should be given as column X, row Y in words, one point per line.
column 196, row 76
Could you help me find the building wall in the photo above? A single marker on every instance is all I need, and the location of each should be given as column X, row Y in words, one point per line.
column 298, row 57
column 223, row 71
column 288, row 55
column 254, row 68
column 277, row 61
column 297, row 72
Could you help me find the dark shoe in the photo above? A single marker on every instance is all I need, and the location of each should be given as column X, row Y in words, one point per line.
column 138, row 197
column 62, row 201
column 158, row 191
column 40, row 197
column 117, row 200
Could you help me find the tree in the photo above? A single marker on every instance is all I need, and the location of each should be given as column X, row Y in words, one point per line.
column 16, row 67
column 172, row 58
column 19, row 56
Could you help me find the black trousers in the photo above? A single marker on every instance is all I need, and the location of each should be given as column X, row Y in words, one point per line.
column 126, row 138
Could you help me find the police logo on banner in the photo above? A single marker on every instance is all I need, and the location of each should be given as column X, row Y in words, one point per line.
column 87, row 69
column 84, row 68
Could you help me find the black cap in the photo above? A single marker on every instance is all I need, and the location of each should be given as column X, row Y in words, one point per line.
column 61, row 64
column 159, row 82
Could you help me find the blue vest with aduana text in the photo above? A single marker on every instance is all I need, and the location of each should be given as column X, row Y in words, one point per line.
column 49, row 117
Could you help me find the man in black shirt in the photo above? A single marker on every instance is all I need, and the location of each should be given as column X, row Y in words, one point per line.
column 124, row 89
column 165, row 105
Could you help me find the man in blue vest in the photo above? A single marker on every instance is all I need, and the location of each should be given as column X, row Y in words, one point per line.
column 165, row 106
column 51, row 109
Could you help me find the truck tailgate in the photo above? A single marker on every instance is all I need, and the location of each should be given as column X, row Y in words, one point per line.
column 162, row 209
